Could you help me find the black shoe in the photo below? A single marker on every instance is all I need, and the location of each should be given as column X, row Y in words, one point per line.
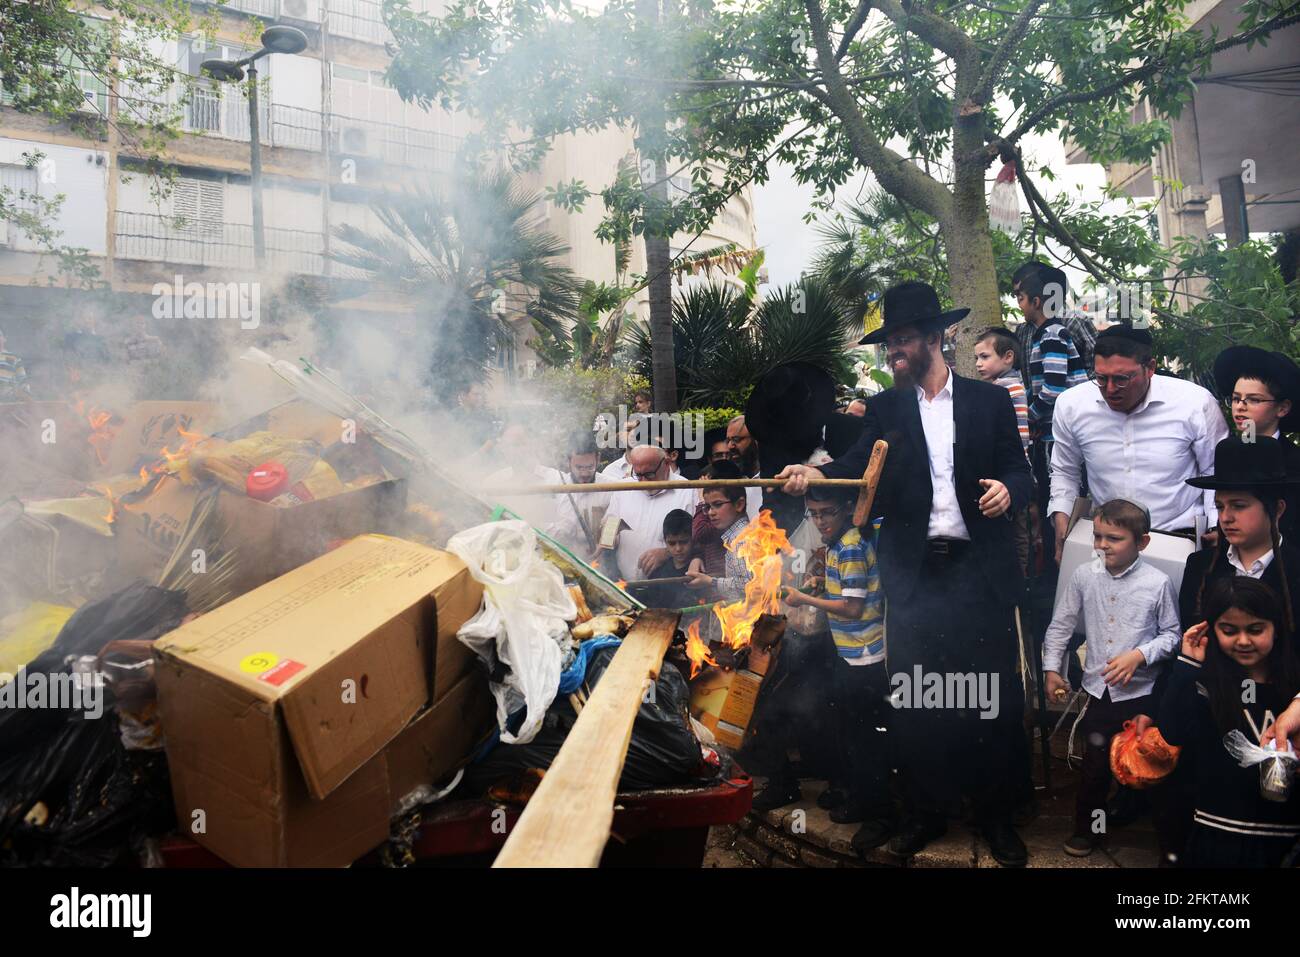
column 1007, row 847
column 776, row 794
column 831, row 798
column 916, row 834
column 1080, row 844
column 872, row 834
column 850, row 812
column 1025, row 813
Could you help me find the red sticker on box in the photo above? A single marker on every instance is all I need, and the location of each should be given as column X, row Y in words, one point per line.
column 282, row 672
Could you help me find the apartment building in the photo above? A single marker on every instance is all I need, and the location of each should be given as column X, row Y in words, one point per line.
column 333, row 136
column 1231, row 165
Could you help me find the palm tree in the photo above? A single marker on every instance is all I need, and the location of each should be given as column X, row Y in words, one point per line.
column 472, row 261
column 724, row 343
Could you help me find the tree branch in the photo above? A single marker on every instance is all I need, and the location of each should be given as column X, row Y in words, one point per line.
column 894, row 172
column 1140, row 73
column 930, row 27
column 852, row 27
column 998, row 60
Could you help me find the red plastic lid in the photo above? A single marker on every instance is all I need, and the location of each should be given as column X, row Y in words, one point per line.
column 266, row 481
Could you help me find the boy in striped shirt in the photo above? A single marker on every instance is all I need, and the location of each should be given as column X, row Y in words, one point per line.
column 1054, row 361
column 855, row 610
column 996, row 360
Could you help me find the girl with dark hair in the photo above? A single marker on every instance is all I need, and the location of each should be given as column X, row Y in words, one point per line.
column 1237, row 671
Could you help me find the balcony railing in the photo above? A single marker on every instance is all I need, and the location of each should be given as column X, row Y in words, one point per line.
column 155, row 238
column 357, row 19
column 224, row 113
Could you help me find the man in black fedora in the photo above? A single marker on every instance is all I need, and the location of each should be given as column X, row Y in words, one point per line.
column 1262, row 390
column 955, row 475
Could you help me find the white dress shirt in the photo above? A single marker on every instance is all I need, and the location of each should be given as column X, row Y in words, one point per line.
column 619, row 470
column 1144, row 456
column 1257, row 567
column 1138, row 608
column 940, row 434
column 644, row 513
column 565, row 525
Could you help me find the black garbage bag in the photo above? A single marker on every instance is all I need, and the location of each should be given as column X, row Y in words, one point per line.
column 99, row 799
column 664, row 751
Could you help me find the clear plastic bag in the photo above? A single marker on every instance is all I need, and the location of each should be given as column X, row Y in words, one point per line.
column 521, row 632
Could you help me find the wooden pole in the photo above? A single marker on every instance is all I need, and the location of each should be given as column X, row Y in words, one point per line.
column 656, row 486
column 870, row 480
column 568, row 819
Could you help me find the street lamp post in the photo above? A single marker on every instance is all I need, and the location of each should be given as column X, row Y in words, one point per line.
column 277, row 39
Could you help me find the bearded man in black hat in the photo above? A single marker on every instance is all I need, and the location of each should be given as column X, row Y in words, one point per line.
column 955, row 475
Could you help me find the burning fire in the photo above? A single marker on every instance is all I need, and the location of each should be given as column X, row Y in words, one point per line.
column 622, row 585
column 101, row 435
column 169, row 461
column 697, row 650
column 760, row 547
column 111, row 517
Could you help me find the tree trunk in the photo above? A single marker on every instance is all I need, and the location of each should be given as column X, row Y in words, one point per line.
column 973, row 278
column 663, row 354
column 663, row 358
column 972, row 271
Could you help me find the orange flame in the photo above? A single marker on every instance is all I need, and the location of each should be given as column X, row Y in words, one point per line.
column 169, row 461
column 111, row 517
column 697, row 650
column 622, row 585
column 101, row 435
column 760, row 546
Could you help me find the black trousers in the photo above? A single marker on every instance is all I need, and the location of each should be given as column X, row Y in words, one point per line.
column 949, row 746
column 1104, row 719
column 860, row 698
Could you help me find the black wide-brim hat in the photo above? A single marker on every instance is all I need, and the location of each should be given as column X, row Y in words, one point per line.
column 1241, row 465
column 1236, row 362
column 790, row 404
column 911, row 304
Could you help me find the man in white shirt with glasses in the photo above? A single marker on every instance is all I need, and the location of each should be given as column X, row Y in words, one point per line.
column 1139, row 435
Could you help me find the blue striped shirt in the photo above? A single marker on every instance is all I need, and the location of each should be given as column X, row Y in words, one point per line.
column 1054, row 366
column 851, row 572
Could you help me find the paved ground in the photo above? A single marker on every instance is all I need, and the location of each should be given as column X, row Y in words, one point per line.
column 802, row 835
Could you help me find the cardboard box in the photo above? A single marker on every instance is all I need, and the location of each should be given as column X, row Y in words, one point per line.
column 268, row 540
column 724, row 700
column 149, row 427
column 442, row 738
column 276, row 705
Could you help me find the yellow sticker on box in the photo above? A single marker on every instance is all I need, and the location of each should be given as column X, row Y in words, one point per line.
column 258, row 662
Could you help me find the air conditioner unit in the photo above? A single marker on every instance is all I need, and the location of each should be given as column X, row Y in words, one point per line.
column 354, row 140
column 300, row 11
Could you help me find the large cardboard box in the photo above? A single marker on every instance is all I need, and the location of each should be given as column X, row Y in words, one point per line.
column 267, row 540
column 276, row 705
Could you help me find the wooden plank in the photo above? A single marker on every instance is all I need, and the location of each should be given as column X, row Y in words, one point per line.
column 568, row 818
column 639, row 486
column 870, row 480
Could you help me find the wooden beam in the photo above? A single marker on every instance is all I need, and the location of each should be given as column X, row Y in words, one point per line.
column 658, row 486
column 568, row 819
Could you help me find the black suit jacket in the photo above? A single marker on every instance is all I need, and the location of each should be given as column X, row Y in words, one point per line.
column 1213, row 563
column 987, row 446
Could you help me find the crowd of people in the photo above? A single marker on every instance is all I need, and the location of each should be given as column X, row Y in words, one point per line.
column 1178, row 586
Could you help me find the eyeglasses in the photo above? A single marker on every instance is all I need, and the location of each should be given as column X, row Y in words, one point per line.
column 1249, row 400
column 716, row 506
column 819, row 513
column 652, row 474
column 1119, row 381
column 898, row 342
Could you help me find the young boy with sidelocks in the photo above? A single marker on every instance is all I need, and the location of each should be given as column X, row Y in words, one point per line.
column 724, row 506
column 855, row 612
column 1130, row 615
